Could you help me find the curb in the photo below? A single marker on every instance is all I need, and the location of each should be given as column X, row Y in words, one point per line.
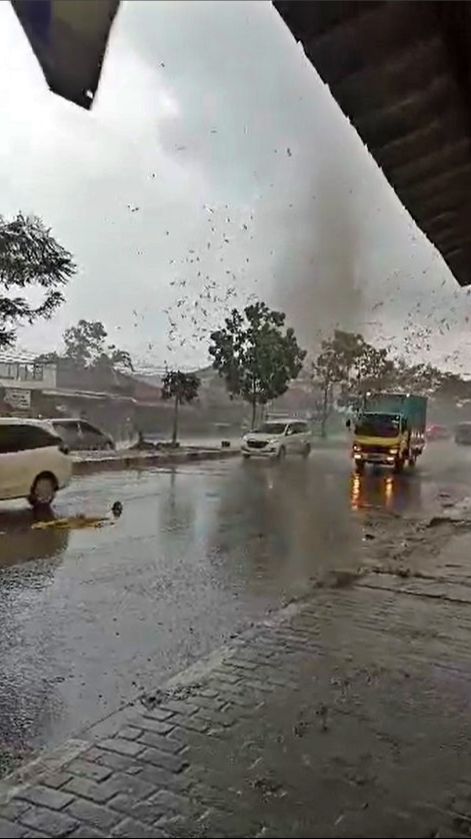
column 141, row 460
column 182, row 682
column 45, row 762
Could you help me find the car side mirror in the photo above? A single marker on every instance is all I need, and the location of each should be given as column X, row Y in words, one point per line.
column 348, row 424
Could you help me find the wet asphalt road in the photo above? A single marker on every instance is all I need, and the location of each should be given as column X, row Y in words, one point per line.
column 91, row 618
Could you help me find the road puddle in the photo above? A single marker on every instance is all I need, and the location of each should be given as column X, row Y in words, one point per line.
column 394, row 493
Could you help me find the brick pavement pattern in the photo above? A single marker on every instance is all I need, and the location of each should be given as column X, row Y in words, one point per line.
column 350, row 716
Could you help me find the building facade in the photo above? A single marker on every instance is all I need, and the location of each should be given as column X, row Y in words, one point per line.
column 20, row 379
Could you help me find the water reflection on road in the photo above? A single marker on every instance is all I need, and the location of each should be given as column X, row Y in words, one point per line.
column 90, row 618
column 384, row 490
column 20, row 543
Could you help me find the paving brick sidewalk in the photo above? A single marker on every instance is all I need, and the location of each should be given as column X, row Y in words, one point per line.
column 350, row 716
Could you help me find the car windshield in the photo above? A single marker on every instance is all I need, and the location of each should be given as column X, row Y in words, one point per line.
column 271, row 428
column 378, row 425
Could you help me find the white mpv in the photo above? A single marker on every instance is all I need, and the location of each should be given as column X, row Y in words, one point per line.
column 277, row 438
column 34, row 462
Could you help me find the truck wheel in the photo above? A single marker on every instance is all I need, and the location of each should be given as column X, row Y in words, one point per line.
column 398, row 465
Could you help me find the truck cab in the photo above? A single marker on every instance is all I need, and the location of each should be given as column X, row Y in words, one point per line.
column 389, row 431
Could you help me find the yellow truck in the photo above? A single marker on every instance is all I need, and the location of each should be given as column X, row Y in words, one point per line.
column 389, row 431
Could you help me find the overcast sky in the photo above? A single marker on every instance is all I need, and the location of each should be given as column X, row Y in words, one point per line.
column 215, row 165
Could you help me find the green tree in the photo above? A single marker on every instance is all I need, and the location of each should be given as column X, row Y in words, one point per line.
column 85, row 344
column 335, row 365
column 423, row 379
column 327, row 370
column 181, row 387
column 451, row 386
column 256, row 355
column 29, row 257
column 47, row 358
column 346, row 359
column 372, row 369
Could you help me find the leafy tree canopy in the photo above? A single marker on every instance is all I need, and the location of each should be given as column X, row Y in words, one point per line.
column 256, row 355
column 180, row 386
column 349, row 360
column 85, row 344
column 29, row 257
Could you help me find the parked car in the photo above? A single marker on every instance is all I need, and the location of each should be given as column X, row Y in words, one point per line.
column 34, row 461
column 463, row 434
column 437, row 432
column 277, row 438
column 81, row 435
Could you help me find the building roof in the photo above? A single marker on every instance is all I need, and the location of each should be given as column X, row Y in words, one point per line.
column 402, row 73
column 69, row 40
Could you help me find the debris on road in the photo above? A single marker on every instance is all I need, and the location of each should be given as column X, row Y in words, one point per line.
column 117, row 509
column 268, row 788
column 72, row 523
column 343, row 577
column 323, row 713
column 436, row 521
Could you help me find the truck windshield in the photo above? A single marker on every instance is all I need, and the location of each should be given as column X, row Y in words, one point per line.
column 378, row 425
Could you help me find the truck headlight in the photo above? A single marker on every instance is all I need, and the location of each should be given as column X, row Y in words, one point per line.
column 394, row 450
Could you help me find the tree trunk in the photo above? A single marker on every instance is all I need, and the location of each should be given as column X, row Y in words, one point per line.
column 254, row 410
column 175, row 422
column 325, row 409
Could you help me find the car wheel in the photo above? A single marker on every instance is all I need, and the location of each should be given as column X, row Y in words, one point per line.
column 245, row 455
column 306, row 450
column 281, row 453
column 43, row 491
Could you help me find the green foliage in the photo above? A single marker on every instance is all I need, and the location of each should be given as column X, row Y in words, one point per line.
column 29, row 257
column 372, row 369
column 47, row 358
column 347, row 359
column 452, row 386
column 85, row 344
column 356, row 366
column 422, row 379
column 181, row 387
column 255, row 355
